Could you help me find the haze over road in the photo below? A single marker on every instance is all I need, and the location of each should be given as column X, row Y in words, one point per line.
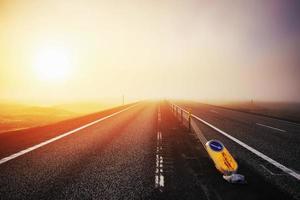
column 117, row 158
column 277, row 139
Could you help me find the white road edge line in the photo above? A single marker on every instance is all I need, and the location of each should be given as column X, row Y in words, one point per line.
column 261, row 155
column 20, row 153
column 277, row 129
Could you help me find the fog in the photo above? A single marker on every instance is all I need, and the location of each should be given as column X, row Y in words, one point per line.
column 199, row 50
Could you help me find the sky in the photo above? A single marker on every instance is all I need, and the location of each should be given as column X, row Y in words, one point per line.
column 54, row 51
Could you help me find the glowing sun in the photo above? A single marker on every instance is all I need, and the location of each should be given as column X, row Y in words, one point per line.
column 52, row 64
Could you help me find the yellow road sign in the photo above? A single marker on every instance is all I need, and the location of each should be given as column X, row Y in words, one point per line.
column 223, row 160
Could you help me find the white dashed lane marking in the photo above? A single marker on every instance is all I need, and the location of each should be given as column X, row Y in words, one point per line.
column 159, row 177
column 270, row 127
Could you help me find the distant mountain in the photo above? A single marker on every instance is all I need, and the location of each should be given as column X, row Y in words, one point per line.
column 17, row 116
column 84, row 107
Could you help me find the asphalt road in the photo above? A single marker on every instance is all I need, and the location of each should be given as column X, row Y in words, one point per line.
column 143, row 152
column 277, row 139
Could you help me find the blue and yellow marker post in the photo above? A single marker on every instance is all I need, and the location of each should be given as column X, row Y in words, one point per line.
column 224, row 161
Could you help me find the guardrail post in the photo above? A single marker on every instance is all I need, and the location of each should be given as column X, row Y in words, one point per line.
column 181, row 115
column 189, row 120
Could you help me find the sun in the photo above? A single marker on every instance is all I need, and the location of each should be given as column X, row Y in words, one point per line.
column 52, row 64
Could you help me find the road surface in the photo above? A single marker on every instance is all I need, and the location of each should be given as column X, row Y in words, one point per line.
column 277, row 139
column 142, row 152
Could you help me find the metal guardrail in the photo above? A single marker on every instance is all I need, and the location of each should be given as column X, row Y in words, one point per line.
column 187, row 118
column 221, row 157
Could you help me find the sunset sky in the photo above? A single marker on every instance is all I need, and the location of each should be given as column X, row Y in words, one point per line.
column 54, row 51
